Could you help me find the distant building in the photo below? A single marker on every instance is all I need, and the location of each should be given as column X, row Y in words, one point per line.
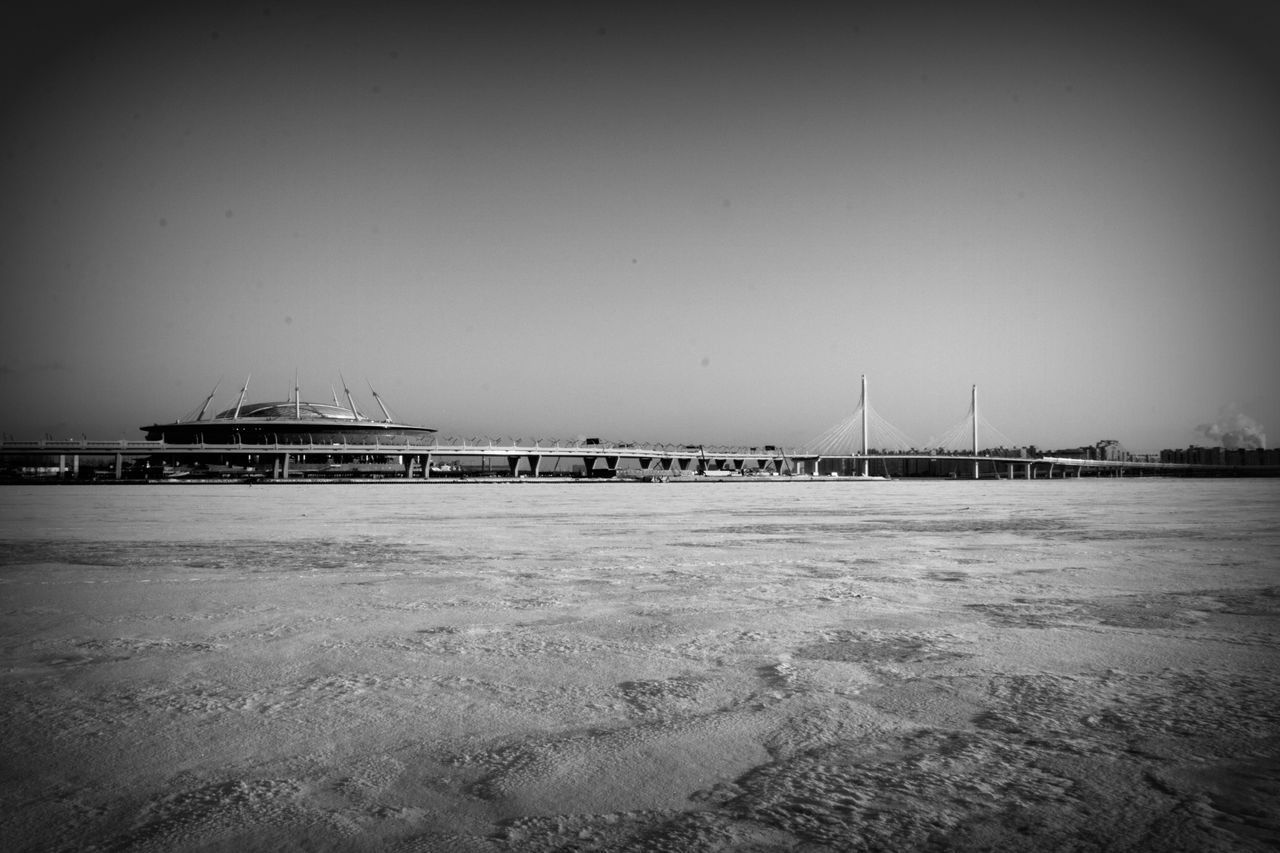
column 1195, row 455
column 1110, row 450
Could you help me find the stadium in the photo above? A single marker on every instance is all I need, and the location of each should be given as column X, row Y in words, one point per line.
column 293, row 421
column 329, row 437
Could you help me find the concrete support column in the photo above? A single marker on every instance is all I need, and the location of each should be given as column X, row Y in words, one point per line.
column 513, row 463
column 1029, row 473
column 535, row 462
column 588, row 466
column 284, row 471
column 119, row 466
column 75, row 466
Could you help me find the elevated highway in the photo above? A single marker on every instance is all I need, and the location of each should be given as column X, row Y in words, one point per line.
column 280, row 461
column 157, row 460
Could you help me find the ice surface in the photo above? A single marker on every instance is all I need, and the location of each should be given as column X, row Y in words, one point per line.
column 1049, row 665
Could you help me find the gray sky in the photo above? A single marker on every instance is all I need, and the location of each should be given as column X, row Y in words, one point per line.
column 649, row 222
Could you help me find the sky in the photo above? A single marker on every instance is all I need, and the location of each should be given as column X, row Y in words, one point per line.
column 648, row 222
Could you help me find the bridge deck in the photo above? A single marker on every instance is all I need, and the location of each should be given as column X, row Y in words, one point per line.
column 716, row 457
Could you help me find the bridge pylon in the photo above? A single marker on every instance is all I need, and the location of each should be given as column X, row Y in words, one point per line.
column 863, row 404
column 974, row 409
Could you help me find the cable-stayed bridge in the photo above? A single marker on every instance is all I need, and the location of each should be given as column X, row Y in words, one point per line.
column 862, row 446
column 865, row 429
column 865, row 436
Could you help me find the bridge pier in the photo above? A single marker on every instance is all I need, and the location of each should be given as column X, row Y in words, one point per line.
column 65, row 471
column 534, row 460
column 589, row 464
column 416, row 461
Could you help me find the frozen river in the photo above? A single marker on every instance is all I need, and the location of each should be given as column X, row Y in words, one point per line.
column 733, row 666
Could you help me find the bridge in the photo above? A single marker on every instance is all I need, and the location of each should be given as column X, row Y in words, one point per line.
column 843, row 451
column 63, row 460
column 416, row 460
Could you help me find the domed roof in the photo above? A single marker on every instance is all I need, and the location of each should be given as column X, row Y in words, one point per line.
column 290, row 410
column 291, row 421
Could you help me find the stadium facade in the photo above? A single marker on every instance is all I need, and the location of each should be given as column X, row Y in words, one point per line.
column 331, row 440
column 293, row 421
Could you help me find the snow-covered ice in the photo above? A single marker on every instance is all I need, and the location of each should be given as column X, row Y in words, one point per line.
column 809, row 666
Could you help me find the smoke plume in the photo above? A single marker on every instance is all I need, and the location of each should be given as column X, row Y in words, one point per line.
column 1234, row 430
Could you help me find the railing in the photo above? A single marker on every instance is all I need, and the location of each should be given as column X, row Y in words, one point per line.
column 472, row 446
column 79, row 444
